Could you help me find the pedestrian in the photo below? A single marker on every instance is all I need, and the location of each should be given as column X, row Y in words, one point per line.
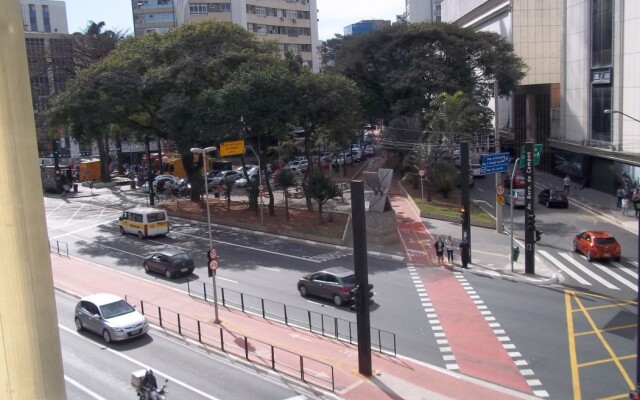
column 465, row 253
column 620, row 195
column 567, row 184
column 449, row 246
column 635, row 199
column 440, row 250
column 624, row 204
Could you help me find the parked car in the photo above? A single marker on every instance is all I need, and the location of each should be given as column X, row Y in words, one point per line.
column 474, row 170
column 332, row 283
column 553, row 197
column 518, row 182
column 182, row 188
column 223, row 177
column 169, row 262
column 159, row 182
column 357, row 155
column 369, row 150
column 517, row 197
column 597, row 245
column 110, row 316
column 342, row 158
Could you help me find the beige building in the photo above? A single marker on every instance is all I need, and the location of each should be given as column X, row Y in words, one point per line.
column 291, row 23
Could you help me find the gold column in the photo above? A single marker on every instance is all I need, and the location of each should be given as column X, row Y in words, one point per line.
column 30, row 357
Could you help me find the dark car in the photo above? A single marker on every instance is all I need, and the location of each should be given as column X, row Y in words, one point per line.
column 597, row 244
column 170, row 262
column 332, row 283
column 553, row 197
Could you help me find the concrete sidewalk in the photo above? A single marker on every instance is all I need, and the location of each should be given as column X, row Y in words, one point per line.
column 393, row 378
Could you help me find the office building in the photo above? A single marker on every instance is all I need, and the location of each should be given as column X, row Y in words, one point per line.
column 291, row 23
column 48, row 16
column 422, row 11
column 366, row 26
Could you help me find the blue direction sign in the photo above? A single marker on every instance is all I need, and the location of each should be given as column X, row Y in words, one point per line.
column 492, row 163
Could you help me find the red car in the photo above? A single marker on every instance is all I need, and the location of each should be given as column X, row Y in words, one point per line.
column 597, row 244
column 518, row 182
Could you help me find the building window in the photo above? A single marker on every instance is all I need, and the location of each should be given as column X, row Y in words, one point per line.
column 33, row 20
column 261, row 11
column 198, row 8
column 220, row 7
column 292, row 14
column 600, row 122
column 602, row 33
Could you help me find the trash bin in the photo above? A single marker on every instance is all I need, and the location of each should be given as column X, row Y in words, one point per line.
column 516, row 253
column 75, row 187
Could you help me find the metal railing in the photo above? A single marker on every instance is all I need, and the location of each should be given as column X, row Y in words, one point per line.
column 61, row 248
column 301, row 367
column 333, row 327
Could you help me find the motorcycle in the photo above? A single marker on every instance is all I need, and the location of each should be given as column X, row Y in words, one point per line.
column 155, row 394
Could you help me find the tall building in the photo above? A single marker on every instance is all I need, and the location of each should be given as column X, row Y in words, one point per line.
column 49, row 57
column 44, row 16
column 365, row 26
column 291, row 23
column 422, row 11
column 581, row 57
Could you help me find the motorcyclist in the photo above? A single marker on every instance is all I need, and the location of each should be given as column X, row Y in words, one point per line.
column 148, row 385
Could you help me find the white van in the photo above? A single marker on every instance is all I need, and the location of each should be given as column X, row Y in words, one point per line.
column 144, row 222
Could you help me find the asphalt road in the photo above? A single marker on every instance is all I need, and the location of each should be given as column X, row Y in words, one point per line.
column 97, row 371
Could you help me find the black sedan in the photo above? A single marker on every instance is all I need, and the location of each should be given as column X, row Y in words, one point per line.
column 332, row 283
column 553, row 197
column 170, row 262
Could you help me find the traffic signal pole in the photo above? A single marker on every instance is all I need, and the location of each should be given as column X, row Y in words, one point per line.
column 363, row 291
column 530, row 215
column 465, row 193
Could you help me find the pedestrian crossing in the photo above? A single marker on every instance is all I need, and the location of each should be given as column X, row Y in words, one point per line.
column 613, row 275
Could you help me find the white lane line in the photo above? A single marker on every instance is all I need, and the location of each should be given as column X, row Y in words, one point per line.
column 74, row 214
column 627, row 270
column 108, row 247
column 142, row 365
column 79, row 230
column 267, row 268
column 226, row 279
column 588, row 271
column 563, row 268
column 631, row 285
column 85, row 389
column 55, row 209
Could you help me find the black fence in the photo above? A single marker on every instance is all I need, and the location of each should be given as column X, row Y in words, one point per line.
column 334, row 327
column 307, row 369
column 61, row 248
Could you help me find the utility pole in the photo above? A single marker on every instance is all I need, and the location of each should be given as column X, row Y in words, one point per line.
column 465, row 192
column 363, row 289
column 529, row 207
column 499, row 181
column 152, row 199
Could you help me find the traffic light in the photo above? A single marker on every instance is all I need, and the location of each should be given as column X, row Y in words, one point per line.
column 354, row 298
column 370, row 294
column 463, row 214
column 538, row 235
column 531, row 221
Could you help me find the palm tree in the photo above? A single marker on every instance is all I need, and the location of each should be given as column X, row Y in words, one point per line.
column 321, row 188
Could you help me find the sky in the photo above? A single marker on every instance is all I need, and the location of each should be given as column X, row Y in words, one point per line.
column 334, row 15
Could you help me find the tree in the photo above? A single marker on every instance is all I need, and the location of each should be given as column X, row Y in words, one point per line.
column 319, row 187
column 285, row 179
column 401, row 69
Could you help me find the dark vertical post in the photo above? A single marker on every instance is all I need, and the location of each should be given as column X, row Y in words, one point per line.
column 529, row 215
column 160, row 155
column 149, row 173
column 362, row 276
column 638, row 320
column 465, row 192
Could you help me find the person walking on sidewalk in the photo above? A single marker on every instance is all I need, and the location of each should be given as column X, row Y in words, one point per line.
column 624, row 204
column 464, row 253
column 620, row 194
column 449, row 246
column 636, row 201
column 567, row 184
column 440, row 251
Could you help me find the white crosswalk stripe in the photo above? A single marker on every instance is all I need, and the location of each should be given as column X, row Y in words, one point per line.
column 610, row 272
column 564, row 268
column 588, row 271
column 624, row 269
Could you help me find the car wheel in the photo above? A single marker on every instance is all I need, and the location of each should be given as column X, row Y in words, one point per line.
column 303, row 291
column 122, row 231
column 106, row 336
column 548, row 204
column 575, row 246
column 337, row 300
column 589, row 256
column 79, row 326
column 146, row 268
column 168, row 274
column 140, row 235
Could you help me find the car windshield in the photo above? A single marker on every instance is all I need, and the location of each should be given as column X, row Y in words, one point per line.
column 118, row 308
column 180, row 257
column 349, row 279
column 605, row 241
column 156, row 217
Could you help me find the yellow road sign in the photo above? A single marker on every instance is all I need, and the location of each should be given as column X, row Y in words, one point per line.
column 500, row 199
column 234, row 148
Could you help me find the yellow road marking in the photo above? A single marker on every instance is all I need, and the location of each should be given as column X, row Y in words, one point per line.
column 573, row 359
column 605, row 361
column 612, row 329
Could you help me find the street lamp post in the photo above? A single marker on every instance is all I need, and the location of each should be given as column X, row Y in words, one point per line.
column 608, row 111
column 203, row 153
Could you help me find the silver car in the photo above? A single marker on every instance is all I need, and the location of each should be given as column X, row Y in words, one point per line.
column 110, row 316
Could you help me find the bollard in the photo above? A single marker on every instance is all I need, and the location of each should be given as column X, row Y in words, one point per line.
column 515, row 253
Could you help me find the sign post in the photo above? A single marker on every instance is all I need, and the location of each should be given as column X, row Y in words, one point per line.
column 529, row 232
column 421, row 173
